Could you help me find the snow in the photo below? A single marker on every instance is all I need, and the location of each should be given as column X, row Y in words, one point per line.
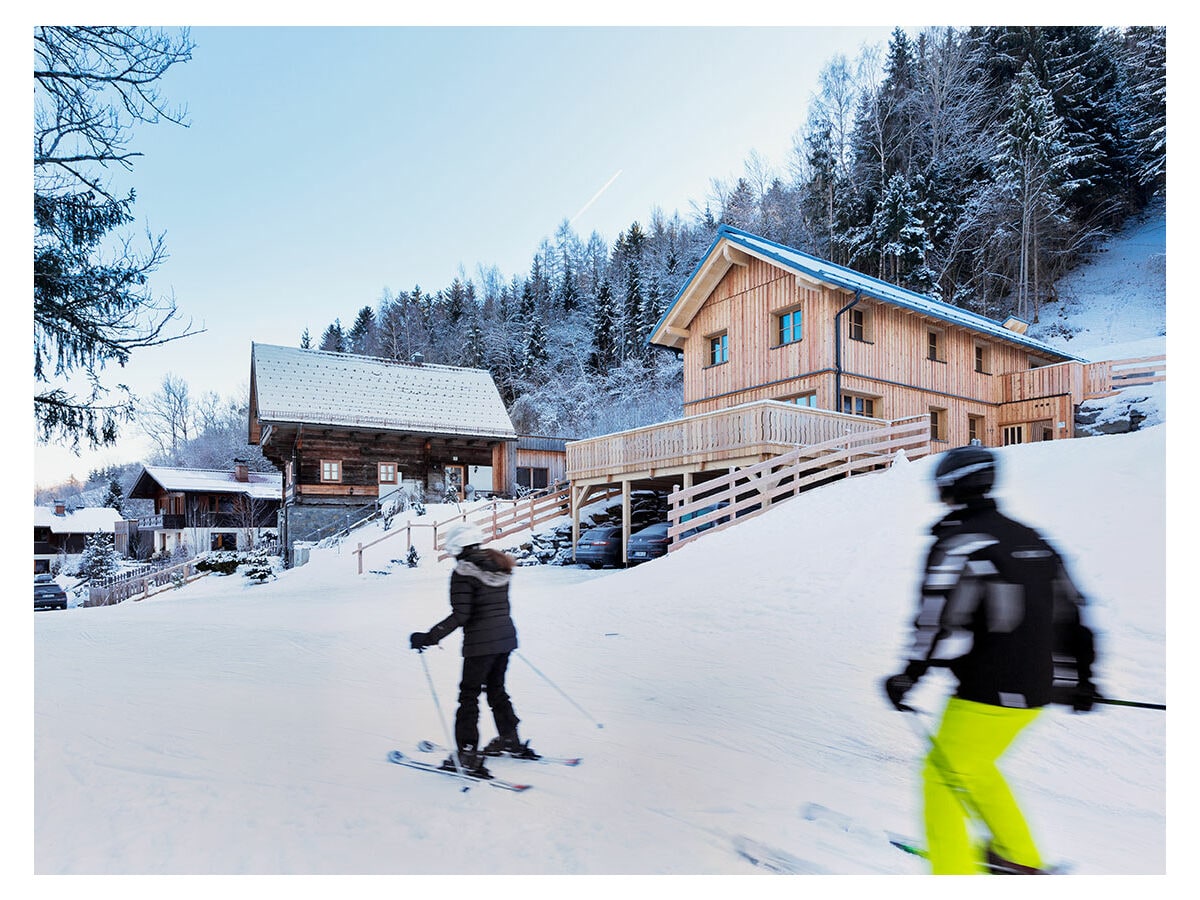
column 233, row 729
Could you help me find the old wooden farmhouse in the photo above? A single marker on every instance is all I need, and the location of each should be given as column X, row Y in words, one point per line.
column 196, row 510
column 346, row 430
column 797, row 370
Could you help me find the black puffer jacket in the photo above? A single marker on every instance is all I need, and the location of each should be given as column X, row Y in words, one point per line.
column 479, row 600
column 999, row 610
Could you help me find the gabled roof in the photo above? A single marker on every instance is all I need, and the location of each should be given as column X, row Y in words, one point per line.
column 260, row 486
column 319, row 387
column 85, row 520
column 731, row 242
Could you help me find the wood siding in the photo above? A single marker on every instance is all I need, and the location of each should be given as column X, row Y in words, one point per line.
column 891, row 365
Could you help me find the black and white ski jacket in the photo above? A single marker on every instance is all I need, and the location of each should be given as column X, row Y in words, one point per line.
column 999, row 610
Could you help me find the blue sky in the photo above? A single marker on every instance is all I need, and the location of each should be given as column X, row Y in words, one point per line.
column 325, row 164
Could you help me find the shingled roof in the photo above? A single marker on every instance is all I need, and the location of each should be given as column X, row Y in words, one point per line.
column 319, row 387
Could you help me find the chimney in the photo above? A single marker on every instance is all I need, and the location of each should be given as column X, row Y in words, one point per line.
column 60, row 508
column 241, row 470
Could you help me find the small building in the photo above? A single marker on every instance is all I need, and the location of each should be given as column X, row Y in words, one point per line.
column 347, row 430
column 57, row 531
column 196, row 510
column 541, row 462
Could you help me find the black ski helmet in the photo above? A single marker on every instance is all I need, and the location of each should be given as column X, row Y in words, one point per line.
column 965, row 473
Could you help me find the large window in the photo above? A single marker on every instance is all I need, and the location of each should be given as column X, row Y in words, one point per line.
column 1014, row 434
column 790, row 327
column 533, row 477
column 331, row 470
column 856, row 405
column 718, row 349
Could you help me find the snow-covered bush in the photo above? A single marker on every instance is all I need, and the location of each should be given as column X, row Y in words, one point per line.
column 413, row 558
column 99, row 557
column 258, row 567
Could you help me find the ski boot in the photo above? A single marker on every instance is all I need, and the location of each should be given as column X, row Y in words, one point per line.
column 470, row 761
column 510, row 745
column 996, row 864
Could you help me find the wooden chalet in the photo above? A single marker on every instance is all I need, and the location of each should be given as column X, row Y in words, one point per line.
column 58, row 531
column 786, row 353
column 205, row 509
column 346, row 430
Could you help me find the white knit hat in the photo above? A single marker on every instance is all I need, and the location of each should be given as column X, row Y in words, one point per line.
column 460, row 536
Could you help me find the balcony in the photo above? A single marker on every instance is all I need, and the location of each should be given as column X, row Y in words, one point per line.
column 162, row 522
column 743, row 435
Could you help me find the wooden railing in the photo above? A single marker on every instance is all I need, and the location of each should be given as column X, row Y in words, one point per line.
column 764, row 427
column 751, row 491
column 144, row 585
column 1082, row 381
column 1107, row 378
column 497, row 519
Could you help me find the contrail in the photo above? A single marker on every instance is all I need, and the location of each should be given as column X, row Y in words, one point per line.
column 595, row 197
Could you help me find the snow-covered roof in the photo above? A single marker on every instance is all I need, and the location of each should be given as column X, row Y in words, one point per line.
column 850, row 280
column 85, row 520
column 325, row 388
column 260, row 486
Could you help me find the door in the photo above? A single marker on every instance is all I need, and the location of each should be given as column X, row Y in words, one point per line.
column 455, row 479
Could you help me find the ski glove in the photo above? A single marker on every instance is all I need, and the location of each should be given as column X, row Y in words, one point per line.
column 895, row 688
column 1080, row 697
column 419, row 640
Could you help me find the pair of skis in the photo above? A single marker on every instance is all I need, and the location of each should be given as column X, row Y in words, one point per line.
column 401, row 759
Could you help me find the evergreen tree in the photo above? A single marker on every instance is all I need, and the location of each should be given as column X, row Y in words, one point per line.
column 334, row 338
column 305, row 340
column 99, row 558
column 92, row 303
column 362, row 338
column 115, row 498
column 604, row 330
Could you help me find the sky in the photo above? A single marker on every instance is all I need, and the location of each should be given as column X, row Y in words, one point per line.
column 323, row 165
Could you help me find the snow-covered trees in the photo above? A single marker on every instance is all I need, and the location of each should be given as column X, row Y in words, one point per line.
column 99, row 557
column 92, row 301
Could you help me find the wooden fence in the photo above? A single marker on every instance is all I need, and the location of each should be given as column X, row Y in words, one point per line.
column 1104, row 379
column 143, row 585
column 1082, row 381
column 497, row 519
column 751, row 491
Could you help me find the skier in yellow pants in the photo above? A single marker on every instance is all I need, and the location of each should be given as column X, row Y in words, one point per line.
column 999, row 610
column 962, row 781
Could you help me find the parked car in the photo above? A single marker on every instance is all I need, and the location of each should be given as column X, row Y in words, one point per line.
column 703, row 512
column 48, row 594
column 600, row 547
column 649, row 543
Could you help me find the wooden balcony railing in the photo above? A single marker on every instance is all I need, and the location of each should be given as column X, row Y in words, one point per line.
column 1082, row 381
column 760, row 429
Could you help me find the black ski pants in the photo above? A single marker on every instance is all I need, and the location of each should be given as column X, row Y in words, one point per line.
column 483, row 674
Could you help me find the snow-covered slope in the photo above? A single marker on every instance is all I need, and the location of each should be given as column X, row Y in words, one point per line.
column 235, row 728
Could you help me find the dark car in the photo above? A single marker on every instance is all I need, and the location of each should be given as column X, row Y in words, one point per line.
column 649, row 543
column 48, row 594
column 704, row 511
column 600, row 547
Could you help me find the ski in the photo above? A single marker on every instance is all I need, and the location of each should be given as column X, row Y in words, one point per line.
column 400, row 759
column 434, row 747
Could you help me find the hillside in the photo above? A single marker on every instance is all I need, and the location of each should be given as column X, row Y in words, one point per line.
column 226, row 728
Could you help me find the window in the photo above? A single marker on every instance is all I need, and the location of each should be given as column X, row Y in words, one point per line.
column 981, row 358
column 860, row 325
column 791, row 326
column 854, row 405
column 934, row 350
column 1014, row 434
column 331, row 470
column 387, row 473
column 809, row 399
column 975, row 428
column 937, row 424
column 530, row 477
column 718, row 349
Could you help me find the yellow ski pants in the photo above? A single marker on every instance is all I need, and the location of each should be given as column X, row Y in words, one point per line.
column 962, row 781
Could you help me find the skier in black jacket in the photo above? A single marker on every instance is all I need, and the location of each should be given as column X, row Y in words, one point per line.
column 999, row 610
column 479, row 602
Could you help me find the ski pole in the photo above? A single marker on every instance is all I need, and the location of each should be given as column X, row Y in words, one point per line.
column 1134, row 703
column 557, row 688
column 446, row 728
column 939, row 762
